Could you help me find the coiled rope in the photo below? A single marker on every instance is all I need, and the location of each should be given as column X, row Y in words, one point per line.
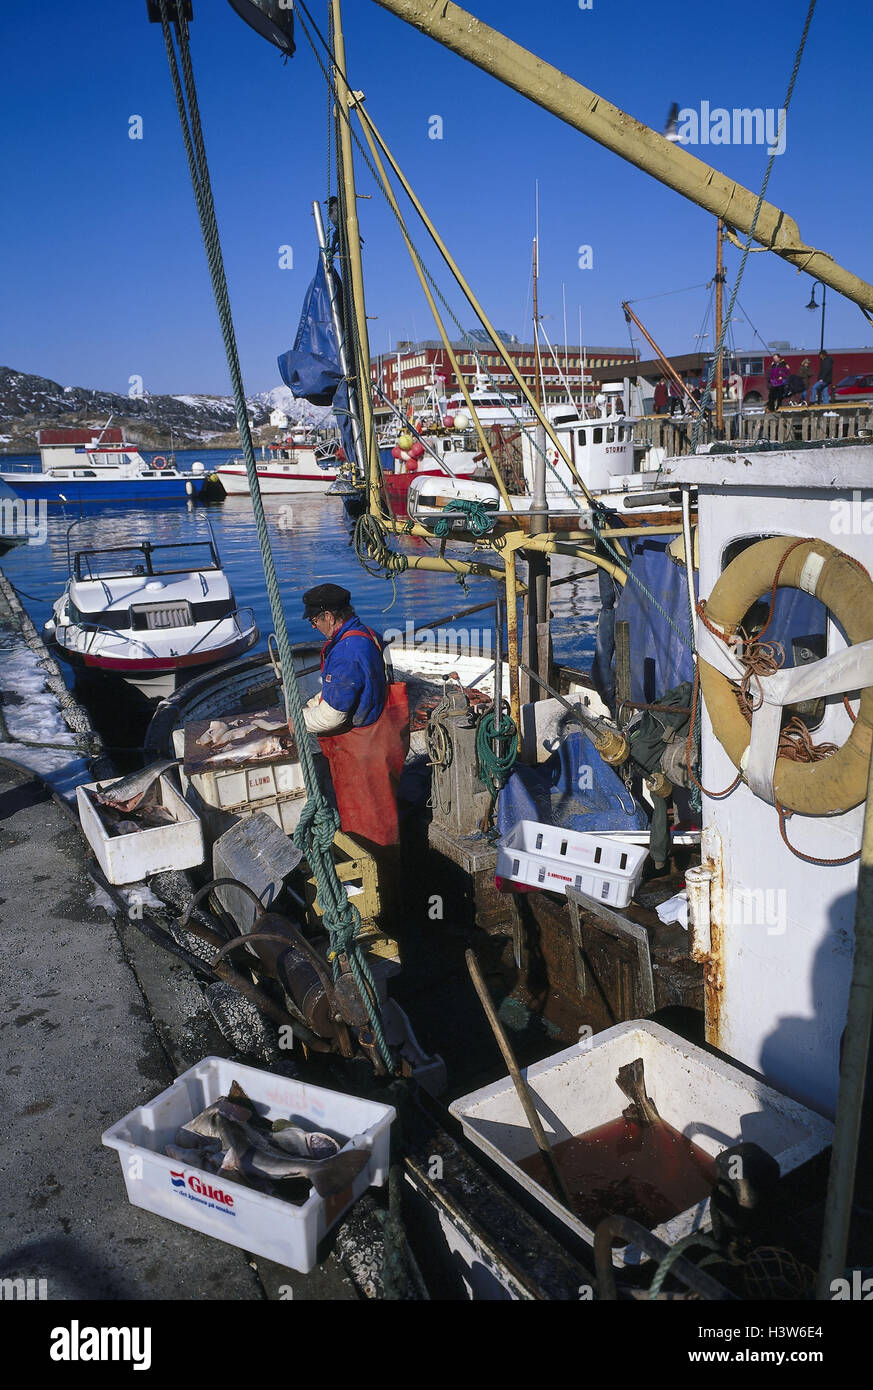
column 494, row 767
column 478, row 519
column 319, row 821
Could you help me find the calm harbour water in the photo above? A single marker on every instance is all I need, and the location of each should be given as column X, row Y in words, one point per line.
column 311, row 544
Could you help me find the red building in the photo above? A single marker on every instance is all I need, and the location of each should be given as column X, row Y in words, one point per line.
column 407, row 375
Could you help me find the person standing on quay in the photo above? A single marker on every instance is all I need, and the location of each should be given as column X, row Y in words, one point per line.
column 776, row 379
column 825, row 377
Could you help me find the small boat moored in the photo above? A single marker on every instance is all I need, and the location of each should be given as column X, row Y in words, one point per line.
column 79, row 466
column 151, row 614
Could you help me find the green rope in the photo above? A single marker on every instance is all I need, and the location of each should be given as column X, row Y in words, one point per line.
column 376, row 555
column 693, row 1238
column 479, row 519
column 494, row 768
column 319, row 821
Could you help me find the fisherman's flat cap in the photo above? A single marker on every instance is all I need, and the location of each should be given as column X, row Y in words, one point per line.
column 324, row 596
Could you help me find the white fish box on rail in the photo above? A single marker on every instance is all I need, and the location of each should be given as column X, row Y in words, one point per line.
column 274, row 1228
column 552, row 858
column 432, row 498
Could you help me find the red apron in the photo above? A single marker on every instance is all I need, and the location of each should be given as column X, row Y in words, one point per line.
column 365, row 767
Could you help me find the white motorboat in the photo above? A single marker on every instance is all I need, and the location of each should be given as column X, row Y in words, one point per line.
column 152, row 615
column 297, row 463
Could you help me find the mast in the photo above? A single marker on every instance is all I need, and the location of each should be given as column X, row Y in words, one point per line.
column 536, row 317
column 719, row 290
column 537, row 640
column 665, row 160
column 346, row 99
column 360, row 459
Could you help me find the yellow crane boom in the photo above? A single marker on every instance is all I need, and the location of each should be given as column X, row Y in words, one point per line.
column 667, row 162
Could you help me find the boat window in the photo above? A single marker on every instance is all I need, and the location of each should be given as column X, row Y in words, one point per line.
column 582, row 436
column 610, row 434
column 157, row 617
column 598, row 435
column 131, row 561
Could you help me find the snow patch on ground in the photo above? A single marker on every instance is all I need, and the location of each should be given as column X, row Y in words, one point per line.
column 37, row 719
column 136, row 895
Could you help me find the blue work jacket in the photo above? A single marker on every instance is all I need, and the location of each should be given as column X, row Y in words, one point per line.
column 353, row 677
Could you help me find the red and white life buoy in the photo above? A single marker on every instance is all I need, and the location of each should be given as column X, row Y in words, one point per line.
column 159, row 462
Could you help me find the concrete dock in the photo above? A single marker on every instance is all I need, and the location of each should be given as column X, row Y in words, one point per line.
column 95, row 1020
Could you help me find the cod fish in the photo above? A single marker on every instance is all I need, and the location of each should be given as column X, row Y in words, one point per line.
column 131, row 791
column 266, row 747
column 260, row 1157
column 303, row 1142
column 202, row 1131
column 219, row 734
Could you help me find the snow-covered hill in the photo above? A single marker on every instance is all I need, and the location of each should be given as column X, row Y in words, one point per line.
column 29, row 403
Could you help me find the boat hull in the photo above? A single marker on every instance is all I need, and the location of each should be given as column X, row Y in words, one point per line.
column 100, row 491
column 159, row 676
column 274, row 480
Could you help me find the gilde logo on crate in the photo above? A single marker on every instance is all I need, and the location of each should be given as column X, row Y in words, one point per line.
column 203, row 1192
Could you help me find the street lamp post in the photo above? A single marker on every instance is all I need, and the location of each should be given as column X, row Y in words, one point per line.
column 812, row 305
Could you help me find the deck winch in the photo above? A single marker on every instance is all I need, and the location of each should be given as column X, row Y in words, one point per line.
column 460, row 797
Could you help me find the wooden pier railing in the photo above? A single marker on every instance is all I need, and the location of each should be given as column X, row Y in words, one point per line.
column 787, row 426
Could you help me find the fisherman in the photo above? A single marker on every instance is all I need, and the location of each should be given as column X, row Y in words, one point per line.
column 361, row 720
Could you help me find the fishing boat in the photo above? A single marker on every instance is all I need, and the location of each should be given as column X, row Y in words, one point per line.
column 492, row 407
column 96, row 469
column 724, row 988
column 293, row 466
column 151, row 615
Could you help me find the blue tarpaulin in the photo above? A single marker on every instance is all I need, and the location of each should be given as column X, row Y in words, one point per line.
column 660, row 660
column 574, row 788
column 311, row 369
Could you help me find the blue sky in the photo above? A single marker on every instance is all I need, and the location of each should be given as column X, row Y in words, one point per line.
column 105, row 275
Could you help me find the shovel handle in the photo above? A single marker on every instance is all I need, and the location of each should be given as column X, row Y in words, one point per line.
column 521, row 1087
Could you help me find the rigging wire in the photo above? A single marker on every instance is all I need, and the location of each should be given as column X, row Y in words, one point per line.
column 664, row 293
column 319, row 822
column 783, row 116
column 465, row 336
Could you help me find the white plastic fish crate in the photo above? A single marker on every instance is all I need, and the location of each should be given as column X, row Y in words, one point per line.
column 243, row 789
column 131, row 858
column 266, row 1226
column 549, row 857
column 704, row 1097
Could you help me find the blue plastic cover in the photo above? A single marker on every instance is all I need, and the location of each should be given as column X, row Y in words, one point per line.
column 660, row 660
column 311, row 369
column 574, row 788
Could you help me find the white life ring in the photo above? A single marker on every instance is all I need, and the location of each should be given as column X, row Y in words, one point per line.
column 833, row 784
